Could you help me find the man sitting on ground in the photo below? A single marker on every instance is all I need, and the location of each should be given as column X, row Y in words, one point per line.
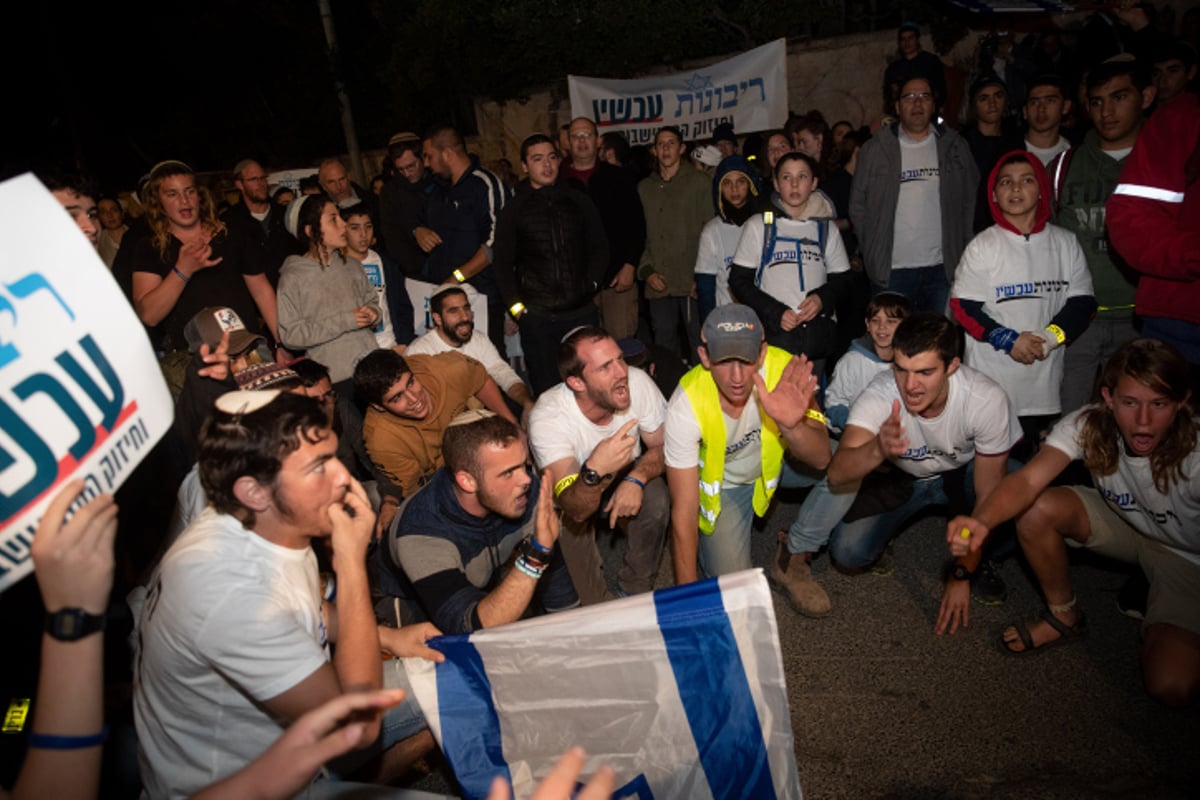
column 233, row 637
column 946, row 429
column 1142, row 447
column 454, row 537
column 588, row 432
column 728, row 426
column 410, row 402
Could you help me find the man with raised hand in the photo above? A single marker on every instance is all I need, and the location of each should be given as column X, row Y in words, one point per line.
column 600, row 435
column 455, row 539
column 946, row 430
column 729, row 425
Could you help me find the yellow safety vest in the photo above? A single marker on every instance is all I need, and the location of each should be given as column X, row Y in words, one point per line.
column 704, row 396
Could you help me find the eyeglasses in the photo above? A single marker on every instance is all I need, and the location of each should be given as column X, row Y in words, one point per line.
column 583, row 135
column 916, row 97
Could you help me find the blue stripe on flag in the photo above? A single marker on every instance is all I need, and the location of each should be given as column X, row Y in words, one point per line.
column 714, row 690
column 470, row 727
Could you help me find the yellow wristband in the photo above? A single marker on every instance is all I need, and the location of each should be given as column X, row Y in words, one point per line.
column 458, row 276
column 516, row 309
column 1057, row 333
column 812, row 413
column 565, row 484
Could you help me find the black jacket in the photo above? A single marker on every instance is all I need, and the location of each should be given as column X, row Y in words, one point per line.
column 551, row 252
column 265, row 243
column 614, row 191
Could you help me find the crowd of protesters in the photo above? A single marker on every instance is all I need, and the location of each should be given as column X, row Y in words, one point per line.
column 897, row 315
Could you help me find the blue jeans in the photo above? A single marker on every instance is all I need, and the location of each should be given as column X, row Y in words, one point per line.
column 858, row 544
column 727, row 549
column 926, row 287
column 398, row 723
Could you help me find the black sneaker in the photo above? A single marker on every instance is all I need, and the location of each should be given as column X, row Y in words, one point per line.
column 1131, row 599
column 988, row 587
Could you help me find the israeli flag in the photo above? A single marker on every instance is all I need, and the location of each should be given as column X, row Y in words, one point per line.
column 681, row 692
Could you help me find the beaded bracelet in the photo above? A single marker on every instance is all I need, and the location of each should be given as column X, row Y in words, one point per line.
column 525, row 567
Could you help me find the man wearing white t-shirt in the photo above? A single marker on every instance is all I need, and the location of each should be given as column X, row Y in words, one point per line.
column 728, row 426
column 589, row 432
column 944, row 426
column 913, row 201
column 454, row 329
column 233, row 636
column 1142, row 447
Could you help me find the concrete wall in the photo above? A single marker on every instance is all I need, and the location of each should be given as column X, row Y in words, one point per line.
column 842, row 77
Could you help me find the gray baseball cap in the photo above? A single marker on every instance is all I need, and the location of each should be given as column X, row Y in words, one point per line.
column 732, row 331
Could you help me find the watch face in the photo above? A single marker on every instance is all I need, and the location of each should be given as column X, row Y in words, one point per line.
column 960, row 573
column 590, row 477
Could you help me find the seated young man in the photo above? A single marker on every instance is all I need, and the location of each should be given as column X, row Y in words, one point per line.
column 728, row 426
column 944, row 428
column 410, row 401
column 1142, row 447
column 233, row 638
column 472, row 547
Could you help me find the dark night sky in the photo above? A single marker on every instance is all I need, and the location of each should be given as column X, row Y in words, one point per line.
column 117, row 87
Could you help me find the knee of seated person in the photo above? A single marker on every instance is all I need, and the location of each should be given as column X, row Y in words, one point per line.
column 1169, row 685
column 849, row 555
column 1036, row 521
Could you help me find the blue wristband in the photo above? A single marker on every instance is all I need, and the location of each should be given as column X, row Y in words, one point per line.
column 45, row 741
column 1003, row 339
column 635, row 482
column 536, row 545
column 182, row 277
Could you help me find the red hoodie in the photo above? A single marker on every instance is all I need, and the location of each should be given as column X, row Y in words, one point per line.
column 1042, row 215
column 1154, row 213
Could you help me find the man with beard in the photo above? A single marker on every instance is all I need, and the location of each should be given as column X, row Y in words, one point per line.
column 233, row 636
column 454, row 538
column 454, row 330
column 599, row 434
column 258, row 222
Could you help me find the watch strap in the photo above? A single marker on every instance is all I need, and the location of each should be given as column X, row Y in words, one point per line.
column 72, row 624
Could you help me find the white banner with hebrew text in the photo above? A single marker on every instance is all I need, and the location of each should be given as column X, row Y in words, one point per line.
column 749, row 91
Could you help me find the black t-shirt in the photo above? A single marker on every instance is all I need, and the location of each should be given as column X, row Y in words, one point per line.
column 220, row 285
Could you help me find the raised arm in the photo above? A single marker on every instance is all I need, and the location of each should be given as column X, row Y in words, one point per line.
column 73, row 564
column 508, row 601
column 861, row 451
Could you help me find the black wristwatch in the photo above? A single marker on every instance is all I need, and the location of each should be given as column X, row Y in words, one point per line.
column 961, row 573
column 72, row 624
column 590, row 477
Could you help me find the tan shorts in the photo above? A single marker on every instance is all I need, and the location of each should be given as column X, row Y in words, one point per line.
column 1174, row 581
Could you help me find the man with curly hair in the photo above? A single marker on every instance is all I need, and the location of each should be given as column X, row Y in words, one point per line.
column 189, row 261
column 1141, row 446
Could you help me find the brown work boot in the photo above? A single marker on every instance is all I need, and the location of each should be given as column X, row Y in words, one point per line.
column 791, row 574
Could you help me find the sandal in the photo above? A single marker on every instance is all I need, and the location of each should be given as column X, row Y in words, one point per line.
column 1066, row 634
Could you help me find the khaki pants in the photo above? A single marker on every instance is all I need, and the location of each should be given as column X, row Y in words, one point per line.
column 646, row 533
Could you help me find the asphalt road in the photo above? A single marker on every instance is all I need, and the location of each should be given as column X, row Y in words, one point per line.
column 883, row 708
